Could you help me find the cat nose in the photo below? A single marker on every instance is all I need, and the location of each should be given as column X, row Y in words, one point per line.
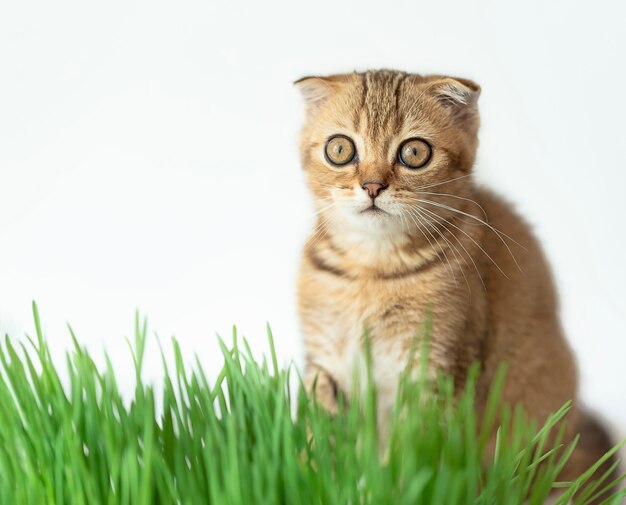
column 373, row 188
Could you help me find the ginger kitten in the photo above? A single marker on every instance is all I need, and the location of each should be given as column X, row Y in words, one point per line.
column 402, row 229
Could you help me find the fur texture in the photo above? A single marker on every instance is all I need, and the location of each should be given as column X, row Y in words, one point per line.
column 430, row 241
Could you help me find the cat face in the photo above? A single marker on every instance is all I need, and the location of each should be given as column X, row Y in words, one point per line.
column 373, row 143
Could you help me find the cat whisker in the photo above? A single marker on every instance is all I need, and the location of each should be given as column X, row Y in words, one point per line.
column 414, row 217
column 320, row 211
column 444, row 182
column 450, row 268
column 419, row 228
column 405, row 222
column 438, row 218
column 318, row 237
column 419, row 209
column 458, row 211
column 458, row 198
column 455, row 251
column 498, row 233
column 318, row 233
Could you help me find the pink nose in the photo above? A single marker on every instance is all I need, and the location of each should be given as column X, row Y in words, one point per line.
column 373, row 188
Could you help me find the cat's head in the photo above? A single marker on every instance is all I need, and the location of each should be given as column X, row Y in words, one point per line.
column 373, row 142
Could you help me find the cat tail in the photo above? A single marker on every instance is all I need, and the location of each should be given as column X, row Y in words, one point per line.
column 595, row 441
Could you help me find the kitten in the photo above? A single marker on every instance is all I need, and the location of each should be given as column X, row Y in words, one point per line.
column 402, row 229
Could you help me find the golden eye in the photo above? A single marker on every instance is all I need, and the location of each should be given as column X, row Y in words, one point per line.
column 414, row 153
column 339, row 150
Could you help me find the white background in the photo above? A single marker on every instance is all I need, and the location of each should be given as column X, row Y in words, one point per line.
column 148, row 159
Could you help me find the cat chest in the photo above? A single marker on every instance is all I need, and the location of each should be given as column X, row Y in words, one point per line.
column 382, row 307
column 390, row 313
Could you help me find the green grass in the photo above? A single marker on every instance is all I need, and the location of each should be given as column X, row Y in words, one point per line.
column 250, row 437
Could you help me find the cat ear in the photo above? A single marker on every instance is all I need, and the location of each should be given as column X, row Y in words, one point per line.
column 459, row 98
column 456, row 94
column 316, row 90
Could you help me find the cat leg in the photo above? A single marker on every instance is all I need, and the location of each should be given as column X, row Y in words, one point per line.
column 323, row 387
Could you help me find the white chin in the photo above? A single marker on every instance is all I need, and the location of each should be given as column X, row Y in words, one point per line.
column 373, row 212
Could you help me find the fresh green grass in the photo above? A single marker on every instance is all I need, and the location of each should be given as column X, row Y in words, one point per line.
column 251, row 438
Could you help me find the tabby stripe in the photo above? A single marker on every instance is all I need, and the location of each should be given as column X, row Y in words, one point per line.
column 322, row 266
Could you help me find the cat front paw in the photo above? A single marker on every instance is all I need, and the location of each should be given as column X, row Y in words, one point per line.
column 323, row 388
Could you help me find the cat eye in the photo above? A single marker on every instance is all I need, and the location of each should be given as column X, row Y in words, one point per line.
column 414, row 153
column 339, row 150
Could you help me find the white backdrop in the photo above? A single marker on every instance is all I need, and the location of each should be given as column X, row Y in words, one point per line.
column 148, row 159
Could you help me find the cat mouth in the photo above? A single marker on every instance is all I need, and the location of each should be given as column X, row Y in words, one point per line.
column 373, row 209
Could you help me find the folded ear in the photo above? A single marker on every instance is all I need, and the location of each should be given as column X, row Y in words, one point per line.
column 316, row 90
column 459, row 98
column 456, row 93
